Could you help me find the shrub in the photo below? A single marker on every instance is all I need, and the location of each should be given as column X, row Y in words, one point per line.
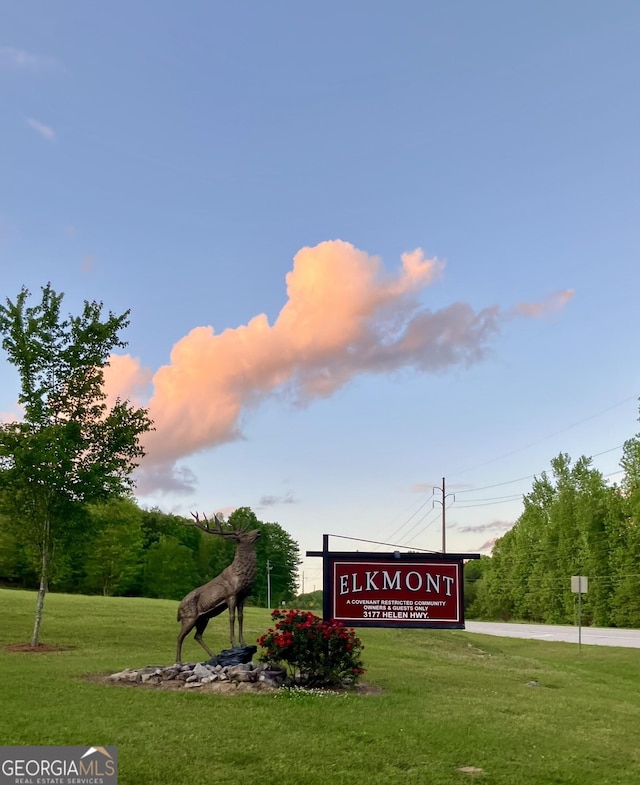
column 315, row 653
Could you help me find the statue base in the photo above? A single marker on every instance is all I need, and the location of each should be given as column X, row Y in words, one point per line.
column 241, row 655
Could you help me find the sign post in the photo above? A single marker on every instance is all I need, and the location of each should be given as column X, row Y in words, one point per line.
column 579, row 585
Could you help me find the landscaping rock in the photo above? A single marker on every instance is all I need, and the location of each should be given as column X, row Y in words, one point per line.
column 129, row 674
column 226, row 677
column 272, row 676
column 241, row 673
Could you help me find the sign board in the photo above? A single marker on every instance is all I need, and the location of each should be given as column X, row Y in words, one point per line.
column 386, row 590
column 579, row 584
column 393, row 589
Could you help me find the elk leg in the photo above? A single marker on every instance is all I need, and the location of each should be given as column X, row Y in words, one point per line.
column 241, row 622
column 201, row 626
column 187, row 626
column 232, row 621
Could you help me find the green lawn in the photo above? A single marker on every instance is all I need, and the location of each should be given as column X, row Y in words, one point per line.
column 448, row 699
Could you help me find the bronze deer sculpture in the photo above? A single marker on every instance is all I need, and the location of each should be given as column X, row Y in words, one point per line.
column 228, row 590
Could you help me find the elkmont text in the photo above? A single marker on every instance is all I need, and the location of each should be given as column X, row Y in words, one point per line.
column 388, row 580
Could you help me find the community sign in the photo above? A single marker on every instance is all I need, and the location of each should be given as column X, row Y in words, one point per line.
column 394, row 589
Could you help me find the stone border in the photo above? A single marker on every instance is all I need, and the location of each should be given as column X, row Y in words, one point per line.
column 196, row 675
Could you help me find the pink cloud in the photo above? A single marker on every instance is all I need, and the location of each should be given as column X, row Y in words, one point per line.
column 487, row 547
column 552, row 304
column 10, row 416
column 125, row 378
column 345, row 315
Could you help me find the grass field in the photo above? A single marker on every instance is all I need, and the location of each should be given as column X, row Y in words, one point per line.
column 447, row 699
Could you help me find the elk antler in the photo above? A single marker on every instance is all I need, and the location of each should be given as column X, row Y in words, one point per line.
column 204, row 525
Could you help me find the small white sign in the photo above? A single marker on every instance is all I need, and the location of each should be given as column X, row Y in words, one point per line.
column 579, row 584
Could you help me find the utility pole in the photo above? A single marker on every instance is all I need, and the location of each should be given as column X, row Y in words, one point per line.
column 444, row 508
column 269, row 568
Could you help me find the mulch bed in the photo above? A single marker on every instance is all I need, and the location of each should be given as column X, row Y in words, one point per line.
column 41, row 648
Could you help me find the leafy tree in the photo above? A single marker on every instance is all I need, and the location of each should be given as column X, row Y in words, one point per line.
column 157, row 524
column 473, row 572
column 170, row 570
column 625, row 540
column 312, row 600
column 15, row 566
column 69, row 448
column 494, row 598
column 113, row 561
column 569, row 523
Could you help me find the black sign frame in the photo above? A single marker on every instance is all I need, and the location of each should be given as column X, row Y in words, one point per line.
column 396, row 558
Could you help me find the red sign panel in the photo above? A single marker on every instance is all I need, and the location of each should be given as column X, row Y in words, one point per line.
column 397, row 593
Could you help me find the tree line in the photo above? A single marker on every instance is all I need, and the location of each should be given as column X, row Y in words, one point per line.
column 121, row 549
column 574, row 523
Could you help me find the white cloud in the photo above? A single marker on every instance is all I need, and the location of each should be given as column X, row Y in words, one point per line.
column 19, row 59
column 165, row 479
column 271, row 501
column 40, row 128
column 500, row 526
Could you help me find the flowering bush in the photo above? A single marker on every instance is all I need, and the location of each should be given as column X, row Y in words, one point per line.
column 315, row 653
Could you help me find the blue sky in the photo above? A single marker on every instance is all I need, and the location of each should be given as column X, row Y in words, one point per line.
column 175, row 160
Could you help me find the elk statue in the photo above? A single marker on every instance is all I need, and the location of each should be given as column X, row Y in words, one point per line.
column 228, row 590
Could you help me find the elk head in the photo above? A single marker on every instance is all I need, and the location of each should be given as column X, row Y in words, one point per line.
column 243, row 536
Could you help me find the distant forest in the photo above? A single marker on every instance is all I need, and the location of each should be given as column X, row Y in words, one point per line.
column 120, row 549
column 574, row 523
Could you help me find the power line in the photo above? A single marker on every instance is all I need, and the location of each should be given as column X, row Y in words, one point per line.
column 489, row 503
column 515, row 496
column 401, row 514
column 551, row 435
column 418, row 522
column 426, row 527
column 399, row 529
column 497, row 484
column 531, row 476
column 499, row 500
column 374, row 542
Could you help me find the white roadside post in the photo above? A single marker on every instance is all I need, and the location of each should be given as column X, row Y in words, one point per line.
column 579, row 586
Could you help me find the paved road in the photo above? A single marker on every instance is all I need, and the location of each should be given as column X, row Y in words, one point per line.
column 595, row 636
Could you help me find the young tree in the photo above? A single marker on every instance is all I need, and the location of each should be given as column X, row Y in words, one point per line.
column 69, row 448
